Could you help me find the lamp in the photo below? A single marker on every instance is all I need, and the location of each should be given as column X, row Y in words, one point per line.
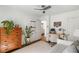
column 43, row 11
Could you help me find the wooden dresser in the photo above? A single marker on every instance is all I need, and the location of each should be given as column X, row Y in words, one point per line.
column 11, row 41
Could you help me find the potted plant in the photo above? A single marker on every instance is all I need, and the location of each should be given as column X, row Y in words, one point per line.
column 27, row 34
column 8, row 25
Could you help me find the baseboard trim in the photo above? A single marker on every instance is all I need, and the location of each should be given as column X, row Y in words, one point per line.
column 31, row 43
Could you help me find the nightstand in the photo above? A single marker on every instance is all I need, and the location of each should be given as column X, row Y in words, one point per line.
column 53, row 37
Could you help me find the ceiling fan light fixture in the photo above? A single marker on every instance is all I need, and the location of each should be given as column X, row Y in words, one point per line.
column 43, row 11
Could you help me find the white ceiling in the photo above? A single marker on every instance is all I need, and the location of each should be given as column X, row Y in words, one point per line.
column 30, row 9
column 56, row 9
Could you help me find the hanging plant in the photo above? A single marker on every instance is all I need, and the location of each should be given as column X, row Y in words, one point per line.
column 8, row 25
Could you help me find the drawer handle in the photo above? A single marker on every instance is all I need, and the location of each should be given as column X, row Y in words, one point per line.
column 5, row 41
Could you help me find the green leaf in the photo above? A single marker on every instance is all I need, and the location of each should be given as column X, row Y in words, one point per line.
column 28, row 31
column 9, row 25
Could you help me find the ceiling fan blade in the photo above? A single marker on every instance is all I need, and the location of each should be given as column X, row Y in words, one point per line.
column 47, row 7
column 44, row 8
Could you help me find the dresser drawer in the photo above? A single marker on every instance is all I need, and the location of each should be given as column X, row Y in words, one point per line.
column 11, row 41
column 8, row 47
column 4, row 47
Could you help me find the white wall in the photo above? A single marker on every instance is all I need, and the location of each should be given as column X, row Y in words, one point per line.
column 70, row 21
column 21, row 18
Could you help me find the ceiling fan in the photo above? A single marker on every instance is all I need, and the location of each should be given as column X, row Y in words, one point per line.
column 44, row 8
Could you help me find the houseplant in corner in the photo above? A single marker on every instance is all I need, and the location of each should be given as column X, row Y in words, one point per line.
column 27, row 34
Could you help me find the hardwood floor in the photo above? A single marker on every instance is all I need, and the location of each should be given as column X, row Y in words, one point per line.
column 38, row 47
column 24, row 46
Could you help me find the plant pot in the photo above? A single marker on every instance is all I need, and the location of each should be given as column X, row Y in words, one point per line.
column 28, row 40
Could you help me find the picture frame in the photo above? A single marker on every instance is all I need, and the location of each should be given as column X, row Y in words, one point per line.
column 57, row 24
